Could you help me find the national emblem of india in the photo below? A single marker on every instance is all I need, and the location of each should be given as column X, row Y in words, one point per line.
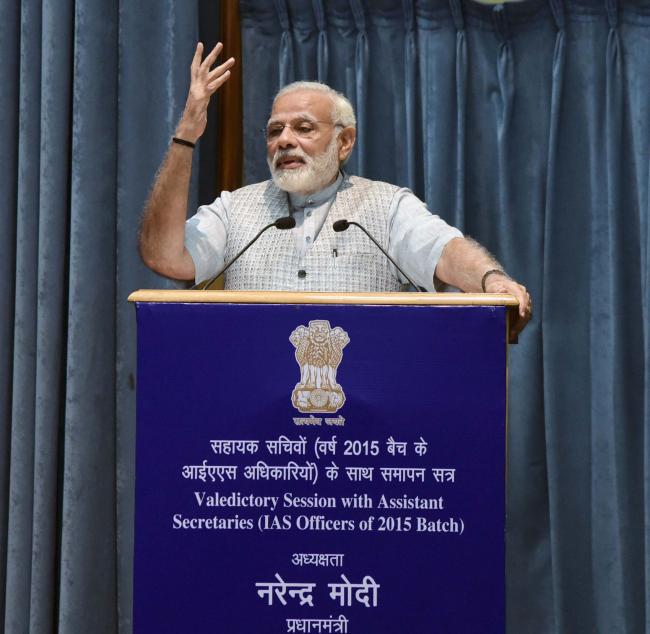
column 319, row 351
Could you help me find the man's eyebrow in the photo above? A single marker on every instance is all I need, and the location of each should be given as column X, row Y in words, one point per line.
column 301, row 116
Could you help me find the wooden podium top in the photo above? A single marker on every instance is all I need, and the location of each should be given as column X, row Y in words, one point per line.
column 286, row 297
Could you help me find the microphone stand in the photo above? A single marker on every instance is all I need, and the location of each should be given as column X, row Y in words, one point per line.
column 342, row 225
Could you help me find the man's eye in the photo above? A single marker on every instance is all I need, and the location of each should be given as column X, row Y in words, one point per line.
column 304, row 129
column 274, row 133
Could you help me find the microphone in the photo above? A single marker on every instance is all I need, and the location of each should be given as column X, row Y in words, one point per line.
column 286, row 222
column 342, row 225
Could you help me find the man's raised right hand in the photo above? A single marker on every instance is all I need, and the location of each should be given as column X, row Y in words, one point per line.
column 204, row 82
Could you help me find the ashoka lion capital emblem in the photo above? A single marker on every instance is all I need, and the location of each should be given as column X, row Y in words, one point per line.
column 319, row 351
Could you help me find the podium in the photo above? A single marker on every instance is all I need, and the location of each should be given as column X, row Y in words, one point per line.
column 313, row 462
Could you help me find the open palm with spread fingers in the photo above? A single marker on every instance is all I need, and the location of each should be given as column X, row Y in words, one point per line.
column 204, row 82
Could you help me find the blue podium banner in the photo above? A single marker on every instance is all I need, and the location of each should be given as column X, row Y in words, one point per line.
column 320, row 468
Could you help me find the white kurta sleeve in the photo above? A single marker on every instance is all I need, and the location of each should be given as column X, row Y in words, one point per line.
column 416, row 237
column 206, row 233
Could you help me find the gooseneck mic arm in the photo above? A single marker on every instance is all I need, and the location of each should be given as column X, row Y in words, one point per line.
column 342, row 225
column 286, row 222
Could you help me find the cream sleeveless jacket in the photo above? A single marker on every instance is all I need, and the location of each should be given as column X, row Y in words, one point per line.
column 346, row 261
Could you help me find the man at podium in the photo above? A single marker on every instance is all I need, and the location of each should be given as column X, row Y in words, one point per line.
column 309, row 136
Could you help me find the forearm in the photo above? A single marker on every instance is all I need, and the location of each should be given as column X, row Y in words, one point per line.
column 463, row 264
column 162, row 233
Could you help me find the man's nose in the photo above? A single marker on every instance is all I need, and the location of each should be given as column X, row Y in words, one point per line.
column 287, row 138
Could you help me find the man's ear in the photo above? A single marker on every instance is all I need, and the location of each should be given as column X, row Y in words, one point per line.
column 346, row 140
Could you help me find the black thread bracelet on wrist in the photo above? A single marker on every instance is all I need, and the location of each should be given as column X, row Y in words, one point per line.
column 490, row 272
column 175, row 139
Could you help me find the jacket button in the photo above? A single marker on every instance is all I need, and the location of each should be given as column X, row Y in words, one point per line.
column 302, row 273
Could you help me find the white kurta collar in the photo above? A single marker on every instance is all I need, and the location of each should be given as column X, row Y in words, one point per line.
column 300, row 201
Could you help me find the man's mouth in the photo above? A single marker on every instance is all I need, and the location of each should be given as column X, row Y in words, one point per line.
column 289, row 162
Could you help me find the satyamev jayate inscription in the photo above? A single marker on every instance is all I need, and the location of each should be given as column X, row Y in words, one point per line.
column 320, row 468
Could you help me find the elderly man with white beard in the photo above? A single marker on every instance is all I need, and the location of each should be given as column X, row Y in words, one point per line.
column 310, row 135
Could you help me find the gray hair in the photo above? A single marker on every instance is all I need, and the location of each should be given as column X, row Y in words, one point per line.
column 342, row 110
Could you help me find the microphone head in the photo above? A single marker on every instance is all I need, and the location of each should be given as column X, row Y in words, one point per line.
column 340, row 225
column 286, row 222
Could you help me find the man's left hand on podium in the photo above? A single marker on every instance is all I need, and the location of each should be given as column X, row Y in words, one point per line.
column 502, row 284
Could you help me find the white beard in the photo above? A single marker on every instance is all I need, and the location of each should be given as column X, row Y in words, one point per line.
column 316, row 173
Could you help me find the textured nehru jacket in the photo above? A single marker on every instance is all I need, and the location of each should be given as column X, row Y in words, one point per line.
column 346, row 261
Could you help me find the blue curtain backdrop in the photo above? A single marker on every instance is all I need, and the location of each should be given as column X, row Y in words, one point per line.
column 527, row 125
column 91, row 92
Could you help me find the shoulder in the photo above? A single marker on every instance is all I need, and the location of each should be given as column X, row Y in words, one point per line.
column 264, row 191
column 376, row 194
column 366, row 185
column 399, row 196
